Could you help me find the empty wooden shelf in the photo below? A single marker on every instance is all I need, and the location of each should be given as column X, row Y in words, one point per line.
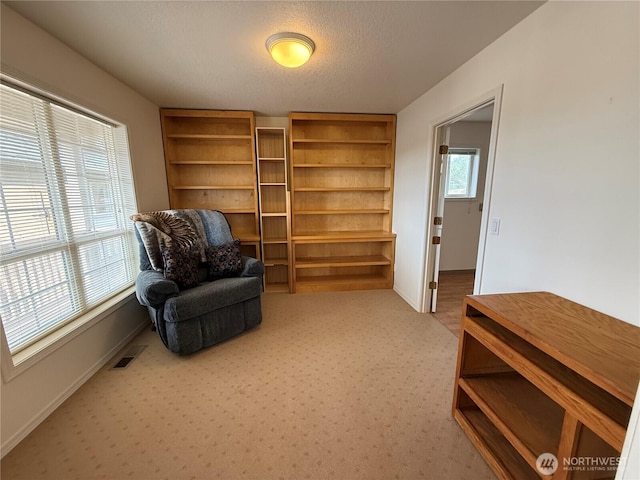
column 539, row 374
column 341, row 201
column 271, row 148
column 210, row 162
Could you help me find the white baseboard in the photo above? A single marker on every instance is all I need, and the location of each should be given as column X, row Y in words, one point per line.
column 406, row 299
column 15, row 439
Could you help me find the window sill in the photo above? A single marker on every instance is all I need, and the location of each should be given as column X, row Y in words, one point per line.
column 14, row 365
column 461, row 199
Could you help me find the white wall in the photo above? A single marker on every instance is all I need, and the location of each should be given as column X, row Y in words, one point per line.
column 566, row 182
column 566, row 172
column 37, row 58
column 461, row 226
column 280, row 122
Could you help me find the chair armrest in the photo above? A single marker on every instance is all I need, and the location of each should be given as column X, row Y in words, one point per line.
column 252, row 267
column 153, row 289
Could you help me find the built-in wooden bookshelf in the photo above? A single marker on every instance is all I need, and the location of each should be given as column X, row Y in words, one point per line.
column 271, row 152
column 341, row 201
column 540, row 374
column 210, row 162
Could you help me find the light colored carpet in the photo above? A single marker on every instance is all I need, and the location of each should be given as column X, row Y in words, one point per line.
column 346, row 385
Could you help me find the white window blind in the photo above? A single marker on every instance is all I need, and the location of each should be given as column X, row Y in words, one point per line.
column 66, row 192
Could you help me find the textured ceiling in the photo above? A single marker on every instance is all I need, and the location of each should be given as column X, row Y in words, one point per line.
column 371, row 57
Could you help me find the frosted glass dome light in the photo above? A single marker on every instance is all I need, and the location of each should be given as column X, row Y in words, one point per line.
column 290, row 49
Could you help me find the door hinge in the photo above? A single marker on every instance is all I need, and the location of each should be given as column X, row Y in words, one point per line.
column 435, row 240
column 437, row 220
column 433, row 285
column 444, row 149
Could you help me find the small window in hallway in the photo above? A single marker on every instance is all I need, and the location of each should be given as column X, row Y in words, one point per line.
column 462, row 173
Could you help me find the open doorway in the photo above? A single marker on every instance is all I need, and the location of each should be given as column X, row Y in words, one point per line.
column 465, row 173
column 461, row 191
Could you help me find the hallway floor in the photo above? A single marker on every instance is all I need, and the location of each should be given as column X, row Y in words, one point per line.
column 453, row 286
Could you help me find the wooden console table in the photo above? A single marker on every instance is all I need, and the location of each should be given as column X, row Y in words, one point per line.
column 538, row 374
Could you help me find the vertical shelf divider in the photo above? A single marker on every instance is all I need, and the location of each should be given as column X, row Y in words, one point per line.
column 275, row 218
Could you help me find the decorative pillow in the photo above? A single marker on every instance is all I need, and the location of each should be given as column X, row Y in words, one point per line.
column 181, row 267
column 224, row 260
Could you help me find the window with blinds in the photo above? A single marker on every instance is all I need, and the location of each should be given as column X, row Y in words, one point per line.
column 66, row 192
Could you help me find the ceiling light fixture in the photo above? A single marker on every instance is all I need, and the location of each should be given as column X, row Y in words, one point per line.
column 290, row 49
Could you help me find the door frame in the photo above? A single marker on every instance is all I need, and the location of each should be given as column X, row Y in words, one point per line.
column 438, row 132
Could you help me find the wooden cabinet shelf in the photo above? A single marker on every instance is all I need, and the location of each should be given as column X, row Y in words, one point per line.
column 343, row 260
column 500, row 455
column 267, row 240
column 275, row 214
column 343, row 165
column 276, row 261
column 341, row 201
column 210, row 161
column 343, row 236
column 213, row 187
column 343, row 189
column 525, row 416
column 350, row 261
column 380, row 141
column 341, row 212
column 596, row 408
column 189, row 136
column 328, row 283
column 277, row 287
column 540, row 374
column 275, row 219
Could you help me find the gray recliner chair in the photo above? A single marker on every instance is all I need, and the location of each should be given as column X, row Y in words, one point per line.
column 190, row 319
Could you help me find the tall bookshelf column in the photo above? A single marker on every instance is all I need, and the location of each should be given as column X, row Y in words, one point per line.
column 341, row 201
column 274, row 207
column 210, row 162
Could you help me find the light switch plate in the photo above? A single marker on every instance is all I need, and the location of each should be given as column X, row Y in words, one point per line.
column 494, row 226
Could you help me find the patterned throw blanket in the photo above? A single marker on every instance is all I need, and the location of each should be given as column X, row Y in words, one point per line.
column 184, row 230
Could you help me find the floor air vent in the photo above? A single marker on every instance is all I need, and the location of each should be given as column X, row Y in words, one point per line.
column 128, row 356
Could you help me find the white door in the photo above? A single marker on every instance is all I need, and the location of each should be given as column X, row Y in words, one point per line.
column 438, row 218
